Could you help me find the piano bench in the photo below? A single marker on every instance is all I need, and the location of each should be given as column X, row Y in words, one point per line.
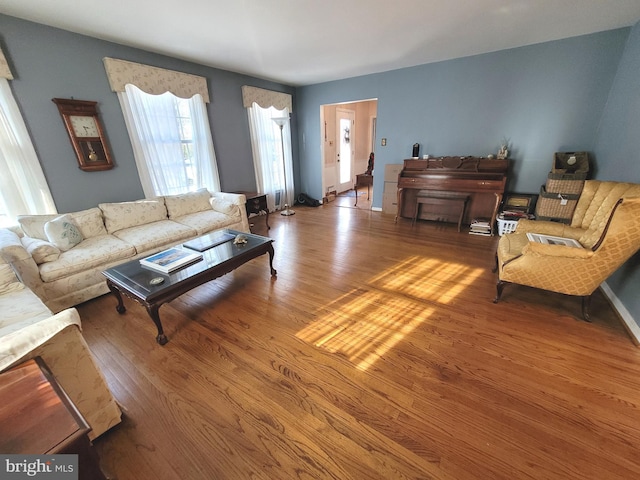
column 441, row 198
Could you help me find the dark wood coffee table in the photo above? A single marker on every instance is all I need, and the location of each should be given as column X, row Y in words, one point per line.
column 134, row 281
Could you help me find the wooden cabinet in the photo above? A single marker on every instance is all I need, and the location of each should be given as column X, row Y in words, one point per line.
column 257, row 205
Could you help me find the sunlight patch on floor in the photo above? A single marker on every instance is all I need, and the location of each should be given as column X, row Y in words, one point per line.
column 367, row 322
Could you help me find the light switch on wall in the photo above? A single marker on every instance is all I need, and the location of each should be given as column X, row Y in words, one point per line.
column 384, row 142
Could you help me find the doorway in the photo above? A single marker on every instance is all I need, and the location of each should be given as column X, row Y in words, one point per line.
column 339, row 176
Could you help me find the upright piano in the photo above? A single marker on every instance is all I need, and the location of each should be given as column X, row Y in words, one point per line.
column 484, row 179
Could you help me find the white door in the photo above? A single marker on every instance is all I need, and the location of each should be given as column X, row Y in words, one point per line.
column 345, row 122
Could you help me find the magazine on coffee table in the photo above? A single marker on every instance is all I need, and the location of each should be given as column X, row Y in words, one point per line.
column 169, row 260
column 208, row 241
column 552, row 240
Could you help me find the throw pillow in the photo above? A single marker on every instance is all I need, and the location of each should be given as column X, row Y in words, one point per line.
column 41, row 251
column 62, row 233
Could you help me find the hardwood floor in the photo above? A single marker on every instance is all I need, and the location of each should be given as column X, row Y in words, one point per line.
column 377, row 353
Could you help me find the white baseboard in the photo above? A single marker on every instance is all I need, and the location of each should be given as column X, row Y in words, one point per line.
column 628, row 320
column 376, row 209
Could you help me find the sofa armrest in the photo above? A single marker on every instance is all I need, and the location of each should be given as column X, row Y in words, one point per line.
column 237, row 198
column 24, row 266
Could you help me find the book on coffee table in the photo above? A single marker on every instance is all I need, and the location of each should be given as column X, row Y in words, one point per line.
column 169, row 260
column 209, row 240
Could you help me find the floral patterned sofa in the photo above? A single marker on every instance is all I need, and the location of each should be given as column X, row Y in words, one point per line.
column 29, row 329
column 61, row 257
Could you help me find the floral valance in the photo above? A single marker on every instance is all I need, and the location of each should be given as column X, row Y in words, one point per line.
column 5, row 71
column 154, row 80
column 265, row 98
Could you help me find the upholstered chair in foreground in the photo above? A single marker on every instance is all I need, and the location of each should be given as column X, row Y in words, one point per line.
column 606, row 223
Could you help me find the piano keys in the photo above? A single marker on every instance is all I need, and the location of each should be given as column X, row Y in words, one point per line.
column 484, row 179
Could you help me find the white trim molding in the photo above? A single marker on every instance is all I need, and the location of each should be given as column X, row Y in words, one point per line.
column 624, row 314
column 154, row 80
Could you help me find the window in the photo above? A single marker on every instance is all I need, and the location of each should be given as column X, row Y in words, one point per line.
column 171, row 142
column 266, row 144
column 23, row 187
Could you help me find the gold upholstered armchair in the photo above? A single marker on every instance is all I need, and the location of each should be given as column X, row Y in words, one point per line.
column 606, row 222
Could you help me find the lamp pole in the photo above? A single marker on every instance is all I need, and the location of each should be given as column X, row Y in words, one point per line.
column 281, row 121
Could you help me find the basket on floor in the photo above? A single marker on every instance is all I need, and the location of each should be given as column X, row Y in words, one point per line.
column 555, row 206
column 571, row 184
column 506, row 226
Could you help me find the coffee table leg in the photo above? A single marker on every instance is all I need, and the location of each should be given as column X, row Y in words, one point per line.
column 270, row 251
column 120, row 307
column 155, row 316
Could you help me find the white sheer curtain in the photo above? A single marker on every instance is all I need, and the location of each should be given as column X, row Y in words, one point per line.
column 267, row 154
column 157, row 135
column 23, row 187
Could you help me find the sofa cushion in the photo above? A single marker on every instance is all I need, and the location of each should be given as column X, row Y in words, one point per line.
column 203, row 222
column 90, row 253
column 41, row 251
column 62, row 232
column 156, row 234
column 33, row 225
column 192, row 202
column 118, row 216
column 89, row 222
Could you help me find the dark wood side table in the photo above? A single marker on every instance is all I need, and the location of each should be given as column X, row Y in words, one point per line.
column 257, row 204
column 37, row 417
column 363, row 180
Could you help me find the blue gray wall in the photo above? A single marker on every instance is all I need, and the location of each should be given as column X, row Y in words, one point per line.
column 618, row 151
column 51, row 63
column 542, row 98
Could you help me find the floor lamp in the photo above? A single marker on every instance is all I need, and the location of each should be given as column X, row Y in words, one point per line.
column 281, row 121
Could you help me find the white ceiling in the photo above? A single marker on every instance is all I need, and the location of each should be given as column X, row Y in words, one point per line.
column 302, row 42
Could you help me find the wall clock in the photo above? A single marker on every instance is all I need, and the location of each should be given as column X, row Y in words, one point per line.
column 83, row 125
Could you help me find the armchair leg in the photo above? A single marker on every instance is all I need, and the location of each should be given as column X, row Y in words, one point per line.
column 499, row 287
column 586, row 302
